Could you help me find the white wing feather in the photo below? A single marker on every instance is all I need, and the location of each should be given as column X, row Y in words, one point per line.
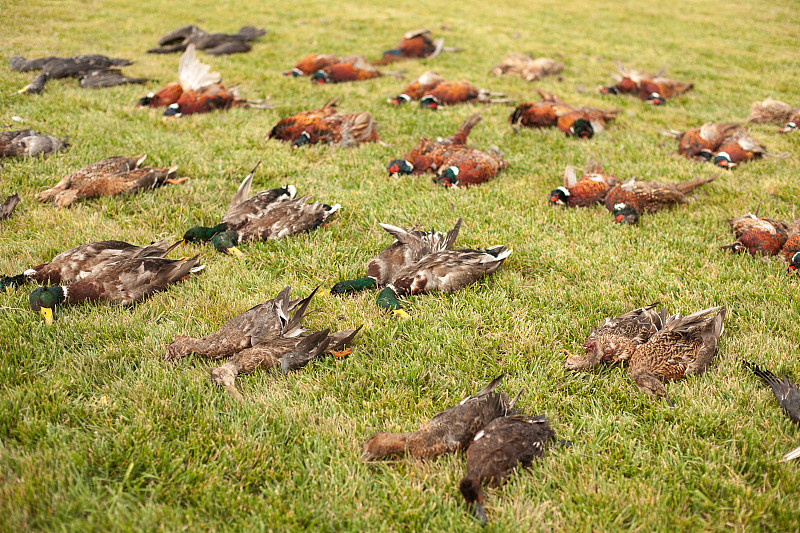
column 193, row 74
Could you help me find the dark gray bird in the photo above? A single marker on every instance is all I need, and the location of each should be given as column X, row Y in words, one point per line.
column 81, row 66
column 7, row 207
column 787, row 394
column 213, row 43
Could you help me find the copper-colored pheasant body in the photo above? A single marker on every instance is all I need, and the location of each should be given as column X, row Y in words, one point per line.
column 311, row 64
column 551, row 111
column 470, row 166
column 589, row 190
column 757, row 235
column 700, row 143
column 341, row 129
column 290, row 128
column 429, row 156
column 418, row 88
column 736, row 148
column 650, row 196
column 415, row 44
column 353, row 69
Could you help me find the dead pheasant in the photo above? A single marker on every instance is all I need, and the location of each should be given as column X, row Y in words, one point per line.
column 632, row 198
column 757, row 235
column 290, row 128
column 418, row 88
column 429, row 156
column 458, row 92
column 415, row 44
column 589, row 190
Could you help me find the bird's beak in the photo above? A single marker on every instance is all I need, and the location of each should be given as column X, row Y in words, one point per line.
column 400, row 313
column 618, row 219
column 23, row 90
column 47, row 314
column 480, row 513
column 235, row 251
column 235, row 394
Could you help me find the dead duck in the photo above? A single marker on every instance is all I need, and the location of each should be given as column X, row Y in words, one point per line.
column 496, row 451
column 275, row 316
column 8, row 206
column 109, row 177
column 93, row 70
column 287, row 352
column 615, row 339
column 447, row 270
column 787, row 394
column 124, row 283
column 83, row 261
column 212, row 43
column 683, row 347
column 589, row 190
column 528, row 68
column 29, row 143
column 448, row 431
column 407, row 249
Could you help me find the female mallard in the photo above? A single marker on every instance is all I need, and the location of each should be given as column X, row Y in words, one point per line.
column 83, row 261
column 616, row 338
column 28, row 143
column 448, row 431
column 447, row 270
column 684, row 346
column 108, row 177
column 408, row 248
column 258, row 323
column 124, row 282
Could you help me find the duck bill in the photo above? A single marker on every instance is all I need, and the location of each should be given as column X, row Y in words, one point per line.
column 233, row 250
column 235, row 394
column 794, row 454
column 47, row 315
column 480, row 513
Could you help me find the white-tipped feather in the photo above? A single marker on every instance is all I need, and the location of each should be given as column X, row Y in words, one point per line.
column 794, row 454
column 334, row 208
column 194, row 74
column 488, row 258
column 564, row 190
column 30, row 272
column 292, row 190
column 198, row 268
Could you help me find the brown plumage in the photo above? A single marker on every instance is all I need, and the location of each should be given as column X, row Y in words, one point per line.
column 418, row 88
column 28, row 143
column 312, row 63
column 84, row 261
column 683, row 347
column 757, row 235
column 589, row 190
column 8, row 206
column 110, row 176
column 355, row 68
column 290, row 128
column 628, row 80
column 166, row 96
column 658, row 90
column 650, row 196
column 736, row 148
column 448, row 431
column 341, row 129
column 213, row 43
column 273, row 317
column 700, row 143
column 428, row 156
column 497, row 450
column 792, row 245
column 552, row 111
column 469, row 167
column 615, row 339
column 771, row 111
column 584, row 122
column 455, row 92
column 415, row 44
column 528, row 68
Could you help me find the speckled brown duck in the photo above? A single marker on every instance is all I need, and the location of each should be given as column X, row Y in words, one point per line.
column 627, row 201
column 8, row 206
column 787, row 394
column 287, row 352
column 212, row 43
column 93, row 70
column 683, row 347
column 447, row 270
column 757, row 235
column 109, row 177
column 124, row 283
column 429, row 156
column 273, row 317
column 497, row 450
column 615, row 339
column 589, row 190
column 84, row 261
column 448, row 431
column 407, row 249
column 29, row 143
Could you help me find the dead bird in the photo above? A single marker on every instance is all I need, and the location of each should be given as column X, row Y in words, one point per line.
column 79, row 66
column 212, row 43
column 29, row 143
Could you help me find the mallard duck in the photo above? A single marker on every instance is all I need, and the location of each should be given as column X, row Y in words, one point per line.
column 408, row 248
column 288, row 352
column 428, row 156
column 615, row 339
column 29, row 143
column 589, row 190
column 109, row 177
column 123, row 282
column 447, row 270
column 212, row 43
column 8, row 206
column 263, row 321
column 757, row 235
column 448, row 431
column 242, row 208
column 84, row 261
column 85, row 67
column 683, row 347
column 787, row 394
column 497, row 450
column 626, row 201
column 528, row 68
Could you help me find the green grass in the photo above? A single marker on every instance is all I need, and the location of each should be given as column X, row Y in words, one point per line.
column 168, row 450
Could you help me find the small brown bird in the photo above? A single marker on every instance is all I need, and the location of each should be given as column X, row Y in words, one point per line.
column 470, row 167
column 290, row 128
column 212, row 43
column 683, row 347
column 273, row 317
column 736, row 148
column 418, row 88
column 448, row 431
column 772, row 111
column 615, row 339
column 628, row 200
column 415, row 44
column 787, row 394
column 108, row 177
column 407, row 249
column 8, row 206
column 429, row 156
column 457, row 92
column 311, row 64
column 757, row 235
column 28, row 143
column 497, row 450
column 528, row 68
column 342, row 129
column 700, row 143
column 589, row 190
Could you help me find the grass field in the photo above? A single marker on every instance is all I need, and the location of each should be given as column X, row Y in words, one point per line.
column 97, row 433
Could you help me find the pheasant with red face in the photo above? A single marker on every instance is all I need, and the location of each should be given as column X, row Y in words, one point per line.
column 342, row 129
column 589, row 190
column 418, row 88
column 657, row 91
column 415, row 44
column 632, row 198
column 469, row 166
column 757, row 235
column 583, row 123
column 312, row 63
column 737, row 148
column 428, row 156
column 290, row 128
column 457, row 92
column 791, row 248
column 354, row 69
column 551, row 111
column 628, row 80
column 700, row 143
